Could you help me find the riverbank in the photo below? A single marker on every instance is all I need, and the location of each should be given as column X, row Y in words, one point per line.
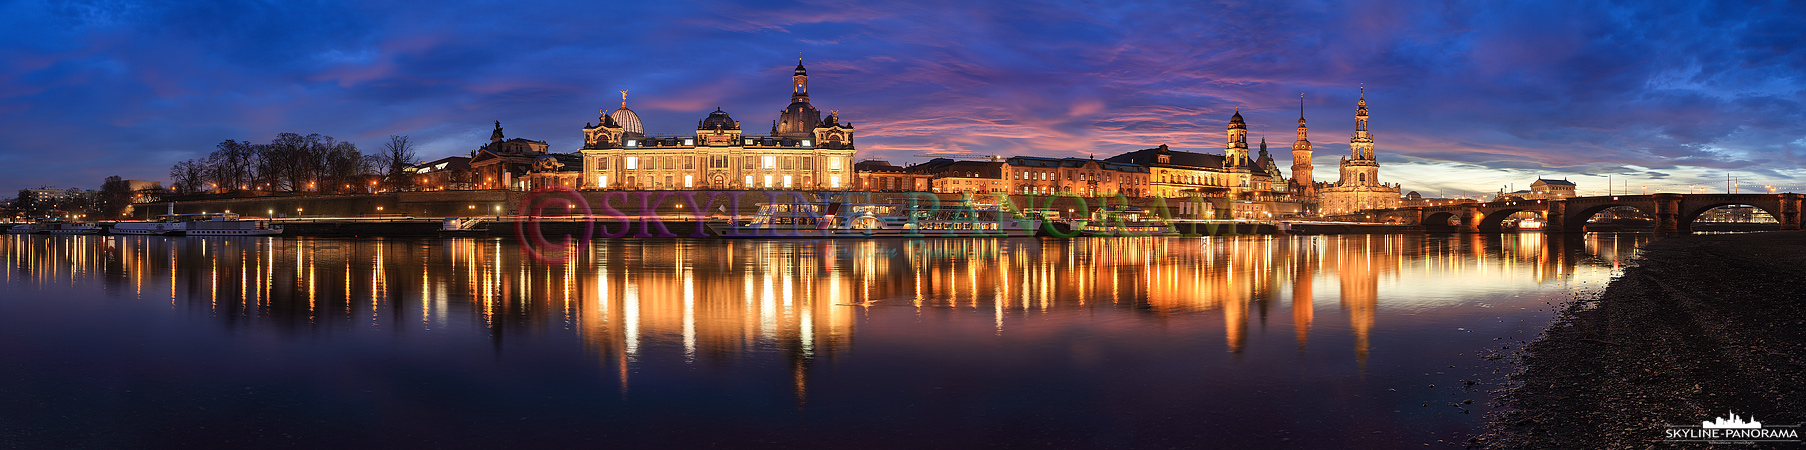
column 1702, row 326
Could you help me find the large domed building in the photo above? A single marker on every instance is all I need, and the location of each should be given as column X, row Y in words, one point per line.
column 803, row 151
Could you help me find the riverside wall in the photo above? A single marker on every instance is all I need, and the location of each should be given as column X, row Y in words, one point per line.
column 500, row 203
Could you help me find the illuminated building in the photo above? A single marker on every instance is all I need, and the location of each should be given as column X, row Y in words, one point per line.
column 1359, row 188
column 803, row 151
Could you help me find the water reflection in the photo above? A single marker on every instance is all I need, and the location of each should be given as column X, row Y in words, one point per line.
column 1078, row 338
column 710, row 299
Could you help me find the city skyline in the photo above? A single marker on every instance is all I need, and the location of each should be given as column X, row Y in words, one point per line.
column 1464, row 99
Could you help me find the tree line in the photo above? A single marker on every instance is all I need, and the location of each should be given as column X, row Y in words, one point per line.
column 293, row 163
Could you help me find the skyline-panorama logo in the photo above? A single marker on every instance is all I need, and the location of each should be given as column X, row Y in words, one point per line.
column 1732, row 429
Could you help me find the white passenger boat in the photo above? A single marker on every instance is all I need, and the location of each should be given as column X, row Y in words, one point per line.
column 72, row 228
column 1531, row 225
column 207, row 224
column 835, row 219
column 28, row 228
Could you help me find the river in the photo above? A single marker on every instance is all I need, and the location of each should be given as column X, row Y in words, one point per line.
column 1358, row 341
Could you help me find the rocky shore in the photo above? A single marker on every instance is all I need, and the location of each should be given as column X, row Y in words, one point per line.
column 1700, row 327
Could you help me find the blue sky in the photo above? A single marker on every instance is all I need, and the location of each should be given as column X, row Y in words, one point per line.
column 1466, row 97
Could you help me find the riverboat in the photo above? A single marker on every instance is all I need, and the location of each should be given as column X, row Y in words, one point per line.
column 206, row 224
column 1123, row 222
column 836, row 219
column 1531, row 225
column 72, row 228
column 28, row 228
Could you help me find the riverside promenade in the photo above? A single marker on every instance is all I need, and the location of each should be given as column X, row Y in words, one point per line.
column 1702, row 326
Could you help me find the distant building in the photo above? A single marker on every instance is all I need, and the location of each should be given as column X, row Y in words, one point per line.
column 502, row 162
column 1414, row 200
column 882, row 176
column 1359, row 188
column 1542, row 189
column 803, row 151
column 448, row 173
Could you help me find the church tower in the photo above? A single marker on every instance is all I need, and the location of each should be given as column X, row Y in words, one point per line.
column 1302, row 183
column 1235, row 153
column 1360, row 168
column 800, row 118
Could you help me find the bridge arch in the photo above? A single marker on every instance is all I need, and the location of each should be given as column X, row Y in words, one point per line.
column 1438, row 222
column 1576, row 220
column 1694, row 210
column 1494, row 221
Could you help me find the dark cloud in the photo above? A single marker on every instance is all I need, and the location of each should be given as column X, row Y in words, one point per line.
column 1689, row 89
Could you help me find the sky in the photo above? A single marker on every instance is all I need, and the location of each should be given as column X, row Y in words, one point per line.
column 1466, row 97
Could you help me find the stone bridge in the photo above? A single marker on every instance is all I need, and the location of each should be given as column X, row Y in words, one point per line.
column 1673, row 213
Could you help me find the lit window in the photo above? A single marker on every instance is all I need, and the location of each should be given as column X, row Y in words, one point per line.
column 805, row 142
column 688, row 182
column 834, row 163
column 602, row 180
column 749, row 142
column 689, row 141
column 749, row 181
column 786, row 182
column 771, row 162
column 768, row 178
column 633, row 143
column 631, row 162
column 834, row 181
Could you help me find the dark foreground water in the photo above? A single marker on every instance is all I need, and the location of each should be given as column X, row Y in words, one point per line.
column 1252, row 342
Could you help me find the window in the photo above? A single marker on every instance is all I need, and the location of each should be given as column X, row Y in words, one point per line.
column 771, row 162
column 668, row 181
column 689, row 141
column 805, row 142
column 633, row 143
column 632, row 162
column 602, row 181
column 717, row 162
column 807, row 165
column 688, row 182
column 768, row 178
column 786, row 182
column 833, row 163
column 602, row 163
column 834, row 181
column 789, row 162
column 749, row 181
column 749, row 142
column 746, row 162
column 689, row 162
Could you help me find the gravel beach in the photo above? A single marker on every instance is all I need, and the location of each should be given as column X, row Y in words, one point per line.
column 1701, row 326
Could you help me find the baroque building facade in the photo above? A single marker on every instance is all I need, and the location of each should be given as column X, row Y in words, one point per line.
column 1173, row 173
column 1359, row 187
column 804, row 151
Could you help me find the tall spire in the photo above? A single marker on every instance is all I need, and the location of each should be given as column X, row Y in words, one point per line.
column 1360, row 147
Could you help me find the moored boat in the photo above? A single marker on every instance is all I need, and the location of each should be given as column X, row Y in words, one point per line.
column 835, row 219
column 72, row 228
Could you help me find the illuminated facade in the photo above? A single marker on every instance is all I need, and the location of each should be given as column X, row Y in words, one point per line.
column 1233, row 174
column 503, row 162
column 802, row 152
column 1359, row 188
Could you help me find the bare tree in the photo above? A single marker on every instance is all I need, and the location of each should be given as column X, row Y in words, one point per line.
column 188, row 176
column 398, row 155
column 115, row 195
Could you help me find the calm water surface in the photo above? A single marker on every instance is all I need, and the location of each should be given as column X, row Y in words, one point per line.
column 1249, row 342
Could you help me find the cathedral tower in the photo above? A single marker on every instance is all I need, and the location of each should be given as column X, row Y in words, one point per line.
column 1235, row 153
column 1302, row 183
column 800, row 118
column 1360, row 168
